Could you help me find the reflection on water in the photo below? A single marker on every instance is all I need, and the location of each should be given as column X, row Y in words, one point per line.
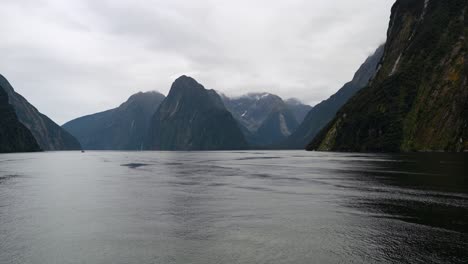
column 233, row 207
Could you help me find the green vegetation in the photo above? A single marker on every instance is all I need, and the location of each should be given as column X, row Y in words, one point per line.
column 417, row 102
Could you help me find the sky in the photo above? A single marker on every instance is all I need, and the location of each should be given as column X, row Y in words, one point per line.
column 77, row 57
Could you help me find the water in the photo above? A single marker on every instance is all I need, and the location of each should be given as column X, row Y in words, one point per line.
column 233, row 207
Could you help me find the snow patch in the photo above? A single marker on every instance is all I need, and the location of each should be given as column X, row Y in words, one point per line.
column 261, row 96
column 244, row 114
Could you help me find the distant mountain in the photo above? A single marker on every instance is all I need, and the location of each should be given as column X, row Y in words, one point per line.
column 279, row 124
column 299, row 109
column 193, row 118
column 121, row 128
column 418, row 100
column 14, row 136
column 252, row 109
column 48, row 134
column 266, row 118
column 322, row 113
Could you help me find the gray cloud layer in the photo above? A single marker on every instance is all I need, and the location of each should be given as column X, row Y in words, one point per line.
column 76, row 57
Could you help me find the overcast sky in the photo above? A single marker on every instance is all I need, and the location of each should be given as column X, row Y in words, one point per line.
column 76, row 57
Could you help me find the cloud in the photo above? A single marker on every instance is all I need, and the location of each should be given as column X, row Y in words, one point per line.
column 76, row 57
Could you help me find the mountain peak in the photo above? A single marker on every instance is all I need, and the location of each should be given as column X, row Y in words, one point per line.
column 185, row 80
column 184, row 84
column 143, row 95
column 193, row 118
column 121, row 128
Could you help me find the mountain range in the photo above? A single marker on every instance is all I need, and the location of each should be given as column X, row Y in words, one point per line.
column 266, row 119
column 263, row 119
column 410, row 95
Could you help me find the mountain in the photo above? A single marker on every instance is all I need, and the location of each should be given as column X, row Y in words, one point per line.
column 266, row 118
column 279, row 124
column 418, row 98
column 48, row 134
column 253, row 108
column 14, row 136
column 324, row 112
column 299, row 109
column 121, row 128
column 193, row 118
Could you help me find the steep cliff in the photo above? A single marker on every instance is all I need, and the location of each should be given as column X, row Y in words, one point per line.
column 14, row 136
column 322, row 113
column 47, row 133
column 418, row 99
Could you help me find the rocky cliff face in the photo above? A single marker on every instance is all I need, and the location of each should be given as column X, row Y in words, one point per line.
column 418, row 99
column 193, row 118
column 252, row 109
column 121, row 128
column 47, row 133
column 265, row 117
column 14, row 136
column 324, row 112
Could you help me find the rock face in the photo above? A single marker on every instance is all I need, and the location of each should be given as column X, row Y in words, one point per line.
column 418, row 99
column 252, row 109
column 319, row 116
column 14, row 136
column 193, row 118
column 266, row 118
column 121, row 128
column 47, row 133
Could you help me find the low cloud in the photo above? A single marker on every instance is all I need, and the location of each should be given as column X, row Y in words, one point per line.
column 76, row 57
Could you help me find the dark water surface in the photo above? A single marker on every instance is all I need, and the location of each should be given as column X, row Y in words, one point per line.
column 233, row 207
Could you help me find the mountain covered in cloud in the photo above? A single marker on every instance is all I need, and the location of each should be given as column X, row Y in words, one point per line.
column 298, row 108
column 266, row 118
column 418, row 98
column 107, row 47
column 47, row 133
column 193, row 118
column 121, row 128
column 322, row 113
column 14, row 136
